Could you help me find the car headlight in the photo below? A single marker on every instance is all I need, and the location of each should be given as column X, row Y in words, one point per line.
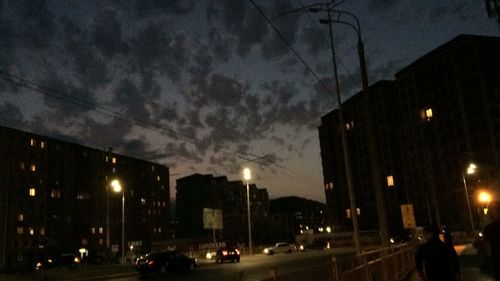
column 266, row 251
column 208, row 256
column 301, row 247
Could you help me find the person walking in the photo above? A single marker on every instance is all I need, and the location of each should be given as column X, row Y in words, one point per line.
column 435, row 260
column 491, row 234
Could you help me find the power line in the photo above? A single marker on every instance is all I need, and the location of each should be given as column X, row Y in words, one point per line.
column 280, row 35
column 323, row 35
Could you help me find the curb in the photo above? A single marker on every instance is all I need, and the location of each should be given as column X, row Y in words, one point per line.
column 104, row 277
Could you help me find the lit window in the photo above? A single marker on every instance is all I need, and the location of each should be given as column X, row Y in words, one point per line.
column 154, row 229
column 107, row 158
column 143, row 201
column 83, row 196
column 84, row 241
column 331, row 185
column 154, row 203
column 390, row 181
column 55, row 193
column 33, row 167
column 153, row 168
column 42, row 231
column 32, row 142
column 149, row 211
column 32, row 192
column 32, row 231
column 358, row 211
column 348, row 213
column 159, row 229
column 42, row 144
column 113, row 160
column 92, row 230
column 114, row 170
column 21, row 165
column 158, row 178
column 101, row 241
column 20, row 230
column 101, row 230
column 349, row 125
column 426, row 114
column 20, row 217
column 164, row 203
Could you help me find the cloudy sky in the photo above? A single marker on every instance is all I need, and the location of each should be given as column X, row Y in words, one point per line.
column 202, row 86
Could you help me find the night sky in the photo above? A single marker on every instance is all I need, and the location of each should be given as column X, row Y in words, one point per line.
column 203, row 85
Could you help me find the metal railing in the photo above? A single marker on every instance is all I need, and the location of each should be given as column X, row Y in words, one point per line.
column 385, row 264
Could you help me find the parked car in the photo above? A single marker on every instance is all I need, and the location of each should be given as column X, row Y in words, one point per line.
column 279, row 248
column 227, row 254
column 164, row 262
column 58, row 260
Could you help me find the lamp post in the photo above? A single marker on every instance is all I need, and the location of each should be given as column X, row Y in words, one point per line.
column 117, row 187
column 247, row 176
column 471, row 169
column 485, row 198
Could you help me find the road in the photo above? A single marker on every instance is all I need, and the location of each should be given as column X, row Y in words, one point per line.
column 312, row 265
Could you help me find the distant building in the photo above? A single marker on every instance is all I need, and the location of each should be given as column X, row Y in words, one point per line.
column 197, row 191
column 290, row 216
column 441, row 113
column 53, row 199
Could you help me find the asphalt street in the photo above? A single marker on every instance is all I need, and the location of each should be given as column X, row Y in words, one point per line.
column 312, row 265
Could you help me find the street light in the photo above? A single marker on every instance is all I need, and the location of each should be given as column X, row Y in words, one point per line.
column 485, row 198
column 471, row 169
column 117, row 187
column 247, row 176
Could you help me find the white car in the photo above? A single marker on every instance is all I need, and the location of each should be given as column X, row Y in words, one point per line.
column 279, row 248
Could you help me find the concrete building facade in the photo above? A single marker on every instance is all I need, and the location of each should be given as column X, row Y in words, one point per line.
column 53, row 199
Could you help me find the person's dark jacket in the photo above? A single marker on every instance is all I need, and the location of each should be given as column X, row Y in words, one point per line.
column 437, row 260
column 492, row 236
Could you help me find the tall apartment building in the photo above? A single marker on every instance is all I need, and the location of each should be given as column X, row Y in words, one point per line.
column 53, row 199
column 441, row 113
column 197, row 191
column 291, row 215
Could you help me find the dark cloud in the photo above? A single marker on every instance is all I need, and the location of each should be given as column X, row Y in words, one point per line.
column 315, row 40
column 181, row 150
column 169, row 113
column 11, row 116
column 140, row 149
column 106, row 32
column 380, row 5
column 66, row 99
column 221, row 44
column 288, row 26
column 34, row 23
column 128, row 96
column 155, row 51
column 219, row 90
column 241, row 21
column 150, row 8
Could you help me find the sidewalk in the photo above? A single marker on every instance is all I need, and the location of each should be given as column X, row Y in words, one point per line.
column 468, row 265
column 78, row 274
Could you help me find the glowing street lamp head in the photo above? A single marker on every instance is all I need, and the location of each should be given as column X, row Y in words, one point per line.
column 116, row 185
column 484, row 197
column 471, row 169
column 247, row 174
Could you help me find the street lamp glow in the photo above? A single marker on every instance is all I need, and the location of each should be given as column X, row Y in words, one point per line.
column 247, row 174
column 328, row 229
column 484, row 197
column 471, row 169
column 116, row 185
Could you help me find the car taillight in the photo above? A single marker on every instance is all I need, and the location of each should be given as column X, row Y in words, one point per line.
column 151, row 263
column 224, row 253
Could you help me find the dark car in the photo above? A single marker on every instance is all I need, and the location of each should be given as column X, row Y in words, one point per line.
column 227, row 254
column 164, row 262
column 60, row 260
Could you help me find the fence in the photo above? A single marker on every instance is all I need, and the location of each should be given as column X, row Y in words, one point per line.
column 386, row 264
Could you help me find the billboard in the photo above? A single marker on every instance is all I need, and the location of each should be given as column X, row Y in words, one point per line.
column 408, row 216
column 212, row 218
